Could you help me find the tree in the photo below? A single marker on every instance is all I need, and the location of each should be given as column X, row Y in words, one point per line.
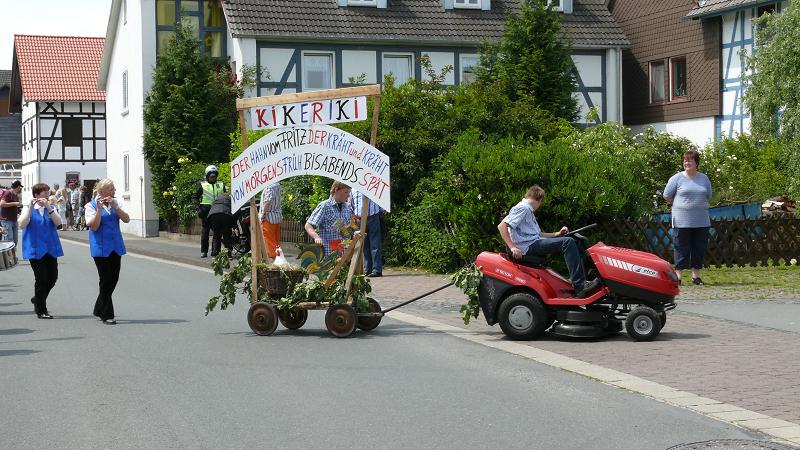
column 532, row 61
column 772, row 79
column 190, row 112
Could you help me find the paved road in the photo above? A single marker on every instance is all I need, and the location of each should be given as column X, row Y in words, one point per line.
column 167, row 377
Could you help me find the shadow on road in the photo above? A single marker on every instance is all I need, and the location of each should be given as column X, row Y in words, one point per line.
column 672, row 336
column 150, row 322
column 45, row 340
column 12, row 331
column 381, row 331
column 17, row 352
column 10, row 304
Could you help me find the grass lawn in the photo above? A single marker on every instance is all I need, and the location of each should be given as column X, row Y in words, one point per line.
column 781, row 282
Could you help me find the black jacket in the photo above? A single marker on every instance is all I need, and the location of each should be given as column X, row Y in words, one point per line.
column 221, row 205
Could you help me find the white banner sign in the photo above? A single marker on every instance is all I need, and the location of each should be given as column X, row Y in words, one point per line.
column 311, row 150
column 307, row 113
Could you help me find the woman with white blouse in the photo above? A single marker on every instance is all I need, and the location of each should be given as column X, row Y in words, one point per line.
column 41, row 245
column 105, row 245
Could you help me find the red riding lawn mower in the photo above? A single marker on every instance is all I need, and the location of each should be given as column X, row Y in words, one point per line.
column 526, row 297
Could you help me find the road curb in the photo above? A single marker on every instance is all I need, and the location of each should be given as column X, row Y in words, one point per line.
column 778, row 430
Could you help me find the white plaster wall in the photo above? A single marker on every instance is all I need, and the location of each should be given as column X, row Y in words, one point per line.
column 134, row 50
column 55, row 172
column 356, row 62
column 589, row 68
column 700, row 131
column 439, row 60
column 274, row 62
column 29, row 151
column 242, row 53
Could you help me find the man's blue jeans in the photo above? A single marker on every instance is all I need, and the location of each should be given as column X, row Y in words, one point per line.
column 11, row 230
column 569, row 248
column 373, row 259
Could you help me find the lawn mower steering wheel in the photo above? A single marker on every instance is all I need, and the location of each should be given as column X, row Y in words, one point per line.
column 574, row 232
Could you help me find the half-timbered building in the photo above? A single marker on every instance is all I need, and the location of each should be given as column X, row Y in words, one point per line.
column 317, row 44
column 683, row 70
column 62, row 111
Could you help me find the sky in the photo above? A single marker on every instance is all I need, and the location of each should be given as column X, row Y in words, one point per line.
column 49, row 17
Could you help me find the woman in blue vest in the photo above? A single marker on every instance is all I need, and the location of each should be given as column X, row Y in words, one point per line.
column 41, row 246
column 105, row 244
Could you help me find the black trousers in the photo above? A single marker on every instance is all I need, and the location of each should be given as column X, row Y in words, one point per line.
column 45, row 274
column 690, row 247
column 108, row 270
column 203, row 214
column 222, row 225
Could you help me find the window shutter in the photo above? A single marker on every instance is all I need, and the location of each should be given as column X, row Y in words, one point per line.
column 567, row 6
column 486, row 5
column 447, row 4
column 342, row 2
column 382, row 4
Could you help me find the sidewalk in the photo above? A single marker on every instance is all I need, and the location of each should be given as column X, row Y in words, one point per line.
column 733, row 361
column 183, row 251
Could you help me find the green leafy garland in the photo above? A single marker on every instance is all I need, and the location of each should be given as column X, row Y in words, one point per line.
column 468, row 279
column 239, row 280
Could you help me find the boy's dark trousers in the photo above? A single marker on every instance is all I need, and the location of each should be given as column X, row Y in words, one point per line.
column 45, row 274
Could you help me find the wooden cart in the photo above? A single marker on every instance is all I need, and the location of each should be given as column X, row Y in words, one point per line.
column 340, row 319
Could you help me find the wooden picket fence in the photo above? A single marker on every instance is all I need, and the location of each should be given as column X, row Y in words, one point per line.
column 738, row 242
column 290, row 231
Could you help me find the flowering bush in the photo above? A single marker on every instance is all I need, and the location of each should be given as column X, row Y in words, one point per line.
column 745, row 169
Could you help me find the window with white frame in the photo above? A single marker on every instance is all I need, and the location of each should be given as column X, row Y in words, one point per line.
column 126, row 171
column 362, row 3
column 556, row 5
column 125, row 91
column 400, row 66
column 317, row 71
column 467, row 4
column 468, row 64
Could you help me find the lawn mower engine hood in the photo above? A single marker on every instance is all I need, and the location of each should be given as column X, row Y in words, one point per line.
column 635, row 274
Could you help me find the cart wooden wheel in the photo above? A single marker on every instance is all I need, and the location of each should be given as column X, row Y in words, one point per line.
column 341, row 320
column 262, row 318
column 369, row 323
column 293, row 318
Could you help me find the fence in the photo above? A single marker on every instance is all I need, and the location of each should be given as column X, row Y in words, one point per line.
column 290, row 231
column 742, row 242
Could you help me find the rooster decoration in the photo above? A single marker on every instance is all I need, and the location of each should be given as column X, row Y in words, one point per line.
column 312, row 256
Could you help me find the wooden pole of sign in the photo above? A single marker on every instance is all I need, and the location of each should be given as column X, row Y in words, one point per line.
column 255, row 248
column 357, row 263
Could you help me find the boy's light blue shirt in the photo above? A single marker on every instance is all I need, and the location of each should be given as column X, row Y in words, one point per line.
column 524, row 228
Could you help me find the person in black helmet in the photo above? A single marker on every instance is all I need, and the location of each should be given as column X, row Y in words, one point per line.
column 205, row 194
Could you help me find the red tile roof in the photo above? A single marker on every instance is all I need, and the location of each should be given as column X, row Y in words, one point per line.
column 59, row 67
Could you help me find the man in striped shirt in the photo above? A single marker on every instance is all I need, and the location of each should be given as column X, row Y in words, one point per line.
column 271, row 217
column 373, row 258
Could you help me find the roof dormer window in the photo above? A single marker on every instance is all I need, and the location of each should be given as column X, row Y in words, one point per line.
column 564, row 6
column 472, row 4
column 362, row 3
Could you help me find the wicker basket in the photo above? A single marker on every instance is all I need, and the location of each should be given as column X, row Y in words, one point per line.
column 278, row 282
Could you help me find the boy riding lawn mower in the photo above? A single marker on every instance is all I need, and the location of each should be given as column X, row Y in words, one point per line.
column 526, row 297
